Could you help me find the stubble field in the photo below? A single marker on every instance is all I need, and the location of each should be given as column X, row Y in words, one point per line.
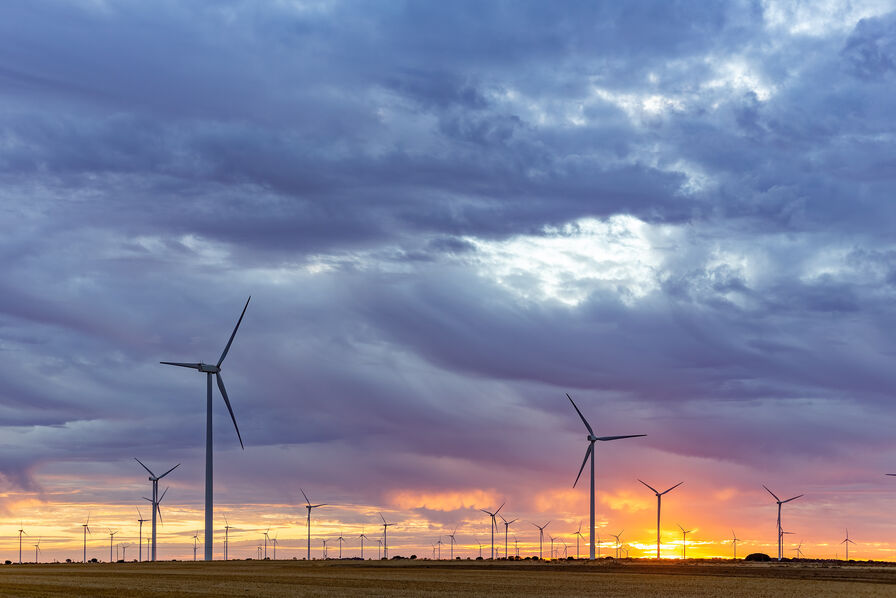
column 463, row 578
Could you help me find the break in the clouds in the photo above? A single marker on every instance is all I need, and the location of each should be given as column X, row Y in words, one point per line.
column 448, row 215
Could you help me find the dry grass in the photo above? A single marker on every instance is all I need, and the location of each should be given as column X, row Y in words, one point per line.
column 426, row 578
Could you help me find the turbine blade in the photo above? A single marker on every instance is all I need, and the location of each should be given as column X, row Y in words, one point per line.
column 145, row 467
column 163, row 495
column 646, row 484
column 794, row 498
column 606, row 438
column 306, row 496
column 237, row 327
column 169, row 471
column 584, row 421
column 770, row 492
column 501, row 507
column 192, row 366
column 672, row 488
column 587, row 454
column 159, row 511
column 229, row 408
column 381, row 517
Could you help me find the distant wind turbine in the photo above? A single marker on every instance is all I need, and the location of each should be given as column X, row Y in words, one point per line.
column 578, row 535
column 493, row 525
column 659, row 499
column 618, row 542
column 799, row 550
column 540, row 536
column 439, row 544
column 506, row 526
column 124, row 552
column 37, row 551
column 208, row 370
column 379, row 554
column 111, row 538
column 780, row 532
column 140, row 520
column 195, row 543
column 734, row 541
column 362, row 536
column 309, row 506
column 22, row 531
column 274, row 544
column 684, row 543
column 385, row 538
column 552, row 547
column 847, row 541
column 227, row 527
column 86, row 531
column 340, row 539
column 266, row 538
column 590, row 453
column 451, row 536
column 155, row 500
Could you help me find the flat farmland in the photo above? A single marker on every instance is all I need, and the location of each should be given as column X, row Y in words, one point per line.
column 440, row 578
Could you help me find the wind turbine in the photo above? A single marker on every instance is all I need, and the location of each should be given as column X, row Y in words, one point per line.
column 309, row 506
column 111, row 538
column 439, row 544
column 478, row 541
column 155, row 500
column 36, row 551
column 385, row 539
column 780, row 533
column 598, row 545
column 140, row 520
column 22, row 531
column 124, row 552
column 684, row 543
column 516, row 547
column 195, row 543
column 734, row 541
column 506, row 526
column 552, row 547
column 227, row 527
column 208, row 370
column 86, row 531
column 274, row 544
column 540, row 535
column 494, row 525
column 451, row 536
column 266, row 542
column 362, row 536
column 618, row 542
column 847, row 541
column 340, row 539
column 326, row 554
column 799, row 550
column 659, row 499
column 578, row 535
column 590, row 453
column 379, row 548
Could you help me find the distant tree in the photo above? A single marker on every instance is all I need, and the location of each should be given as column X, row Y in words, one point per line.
column 758, row 556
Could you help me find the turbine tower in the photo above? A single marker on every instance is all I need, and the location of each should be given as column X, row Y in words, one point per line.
column 734, row 541
column 37, row 551
column 659, row 499
column 847, row 541
column 540, row 536
column 451, row 536
column 684, row 543
column 340, row 539
column 309, row 506
column 266, row 538
column 494, row 525
column 86, row 531
column 140, row 520
column 111, row 539
column 155, row 500
column 578, row 535
column 618, row 542
column 362, row 536
column 274, row 544
column 195, row 543
column 385, row 539
column 590, row 453
column 22, row 531
column 506, row 526
column 227, row 527
column 780, row 531
column 208, row 370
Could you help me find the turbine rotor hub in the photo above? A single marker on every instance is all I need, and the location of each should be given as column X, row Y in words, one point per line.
column 209, row 369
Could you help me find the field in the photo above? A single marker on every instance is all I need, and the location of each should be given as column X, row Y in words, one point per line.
column 444, row 578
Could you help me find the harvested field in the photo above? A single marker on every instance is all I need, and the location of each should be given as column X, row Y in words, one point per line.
column 463, row 578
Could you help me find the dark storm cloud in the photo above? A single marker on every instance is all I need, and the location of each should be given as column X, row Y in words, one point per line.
column 341, row 162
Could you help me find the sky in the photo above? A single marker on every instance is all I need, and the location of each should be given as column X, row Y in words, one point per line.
column 448, row 215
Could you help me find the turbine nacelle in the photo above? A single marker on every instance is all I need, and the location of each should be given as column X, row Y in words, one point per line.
column 208, row 369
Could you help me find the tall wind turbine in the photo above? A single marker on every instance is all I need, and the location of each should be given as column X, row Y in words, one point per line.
column 340, row 539
column 195, row 543
column 379, row 554
column 37, row 551
column 659, row 499
column 266, row 538
column 111, row 539
column 734, row 541
column 155, row 500
column 274, row 544
column 451, row 536
column 86, row 531
column 684, row 543
column 208, row 370
column 141, row 521
column 494, row 525
column 799, row 550
column 578, row 535
column 506, row 526
column 439, row 544
column 590, row 453
column 22, row 531
column 618, row 542
column 362, row 536
column 780, row 533
column 385, row 539
column 540, row 536
column 309, row 506
column 847, row 541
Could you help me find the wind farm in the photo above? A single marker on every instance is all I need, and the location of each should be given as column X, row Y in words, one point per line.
column 447, row 218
